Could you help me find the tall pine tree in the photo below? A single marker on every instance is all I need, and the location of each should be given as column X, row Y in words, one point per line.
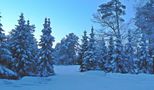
column 145, row 61
column 6, row 60
column 119, row 61
column 109, row 15
column 45, row 65
column 21, row 47
column 89, row 60
column 110, row 55
column 130, row 54
column 33, row 47
column 84, row 48
column 102, row 54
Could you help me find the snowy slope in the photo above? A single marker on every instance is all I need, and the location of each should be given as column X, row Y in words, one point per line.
column 69, row 78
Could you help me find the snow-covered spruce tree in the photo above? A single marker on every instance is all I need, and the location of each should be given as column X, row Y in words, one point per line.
column 45, row 65
column 110, row 55
column 101, row 54
column 120, row 64
column 33, row 48
column 84, row 48
column 6, row 60
column 145, row 61
column 67, row 50
column 130, row 54
column 22, row 45
column 89, row 60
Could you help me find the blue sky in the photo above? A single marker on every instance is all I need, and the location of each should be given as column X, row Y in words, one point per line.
column 66, row 15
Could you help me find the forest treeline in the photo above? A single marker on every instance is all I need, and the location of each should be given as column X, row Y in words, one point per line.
column 119, row 47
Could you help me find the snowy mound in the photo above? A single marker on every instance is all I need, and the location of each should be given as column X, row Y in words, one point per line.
column 7, row 73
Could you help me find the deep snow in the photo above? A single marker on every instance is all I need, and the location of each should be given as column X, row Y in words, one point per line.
column 69, row 78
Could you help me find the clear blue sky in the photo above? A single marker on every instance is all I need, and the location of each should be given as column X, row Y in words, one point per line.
column 66, row 15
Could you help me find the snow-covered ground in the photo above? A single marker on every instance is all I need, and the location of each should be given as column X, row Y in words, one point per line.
column 69, row 78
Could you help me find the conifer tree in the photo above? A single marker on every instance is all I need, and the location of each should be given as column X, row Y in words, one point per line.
column 45, row 65
column 20, row 40
column 84, row 47
column 110, row 55
column 6, row 60
column 102, row 50
column 119, row 61
column 89, row 61
column 129, row 54
column 145, row 61
column 33, row 48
